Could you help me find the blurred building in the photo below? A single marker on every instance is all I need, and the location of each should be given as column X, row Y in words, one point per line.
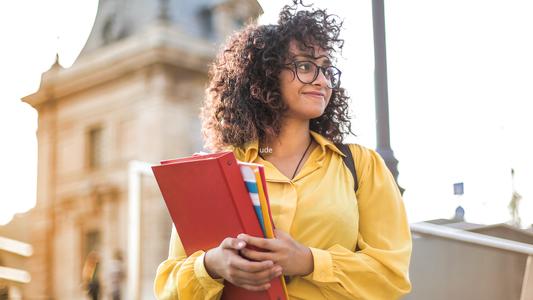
column 134, row 93
column 458, row 260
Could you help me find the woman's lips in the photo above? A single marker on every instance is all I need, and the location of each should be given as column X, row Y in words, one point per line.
column 314, row 94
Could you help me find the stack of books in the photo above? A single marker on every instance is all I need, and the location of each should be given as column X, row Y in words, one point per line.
column 212, row 197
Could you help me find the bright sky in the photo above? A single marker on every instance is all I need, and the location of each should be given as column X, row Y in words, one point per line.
column 459, row 90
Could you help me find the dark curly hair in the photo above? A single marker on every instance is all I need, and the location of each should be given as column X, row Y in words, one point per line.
column 243, row 100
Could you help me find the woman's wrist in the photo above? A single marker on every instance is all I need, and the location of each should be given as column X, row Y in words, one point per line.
column 208, row 264
column 308, row 262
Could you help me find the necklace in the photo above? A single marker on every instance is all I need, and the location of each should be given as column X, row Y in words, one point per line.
column 298, row 165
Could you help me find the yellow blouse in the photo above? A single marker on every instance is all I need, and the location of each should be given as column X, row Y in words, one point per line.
column 318, row 208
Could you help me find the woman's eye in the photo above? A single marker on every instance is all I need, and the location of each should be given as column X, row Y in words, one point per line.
column 305, row 67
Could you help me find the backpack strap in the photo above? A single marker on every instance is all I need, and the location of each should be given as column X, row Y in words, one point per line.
column 349, row 162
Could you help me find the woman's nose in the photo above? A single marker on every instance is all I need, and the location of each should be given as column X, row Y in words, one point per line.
column 321, row 79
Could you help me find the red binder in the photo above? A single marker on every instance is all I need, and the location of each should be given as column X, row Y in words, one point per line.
column 208, row 201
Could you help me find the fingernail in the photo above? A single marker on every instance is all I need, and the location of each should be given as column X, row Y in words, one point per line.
column 240, row 244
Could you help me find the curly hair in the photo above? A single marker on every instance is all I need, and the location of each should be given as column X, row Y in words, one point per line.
column 243, row 100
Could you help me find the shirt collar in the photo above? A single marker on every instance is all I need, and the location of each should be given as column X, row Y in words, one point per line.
column 324, row 142
column 250, row 151
column 247, row 153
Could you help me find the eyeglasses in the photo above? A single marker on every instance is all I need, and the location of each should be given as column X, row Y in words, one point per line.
column 307, row 72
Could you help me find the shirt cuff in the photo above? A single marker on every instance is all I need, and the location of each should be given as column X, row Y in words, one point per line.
column 323, row 266
column 205, row 280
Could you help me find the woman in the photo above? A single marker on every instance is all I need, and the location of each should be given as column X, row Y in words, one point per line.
column 275, row 99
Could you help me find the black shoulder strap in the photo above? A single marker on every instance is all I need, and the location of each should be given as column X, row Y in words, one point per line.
column 349, row 162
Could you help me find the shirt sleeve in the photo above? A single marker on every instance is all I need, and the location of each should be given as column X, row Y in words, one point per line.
column 379, row 269
column 182, row 277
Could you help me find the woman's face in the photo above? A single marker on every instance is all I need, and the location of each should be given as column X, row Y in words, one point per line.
column 304, row 100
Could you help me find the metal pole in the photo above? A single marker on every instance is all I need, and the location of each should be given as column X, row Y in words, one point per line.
column 135, row 171
column 381, row 90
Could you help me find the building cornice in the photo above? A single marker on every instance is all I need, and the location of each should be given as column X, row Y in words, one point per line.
column 158, row 44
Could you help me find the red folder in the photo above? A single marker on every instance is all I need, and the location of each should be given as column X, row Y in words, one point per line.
column 208, row 201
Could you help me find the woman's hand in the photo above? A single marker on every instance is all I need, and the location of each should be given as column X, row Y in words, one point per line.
column 293, row 257
column 225, row 261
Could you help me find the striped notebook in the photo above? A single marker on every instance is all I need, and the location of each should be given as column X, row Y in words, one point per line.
column 255, row 181
column 250, row 179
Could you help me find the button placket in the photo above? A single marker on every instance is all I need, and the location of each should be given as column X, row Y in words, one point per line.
column 288, row 204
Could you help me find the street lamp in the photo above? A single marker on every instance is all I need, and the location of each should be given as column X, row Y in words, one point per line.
column 381, row 90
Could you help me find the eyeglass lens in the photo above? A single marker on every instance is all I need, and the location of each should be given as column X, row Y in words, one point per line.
column 308, row 71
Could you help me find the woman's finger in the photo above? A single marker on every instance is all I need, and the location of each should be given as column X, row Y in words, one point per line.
column 267, row 244
column 241, row 277
column 231, row 243
column 250, row 266
column 257, row 255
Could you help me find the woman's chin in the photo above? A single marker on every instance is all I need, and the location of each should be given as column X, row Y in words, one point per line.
column 317, row 112
column 307, row 113
column 313, row 114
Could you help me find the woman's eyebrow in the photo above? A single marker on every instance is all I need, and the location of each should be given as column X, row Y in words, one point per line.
column 326, row 61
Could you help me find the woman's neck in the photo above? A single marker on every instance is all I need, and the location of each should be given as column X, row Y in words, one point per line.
column 292, row 141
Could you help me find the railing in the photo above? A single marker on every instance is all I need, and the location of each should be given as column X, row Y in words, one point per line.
column 471, row 237
column 18, row 248
column 424, row 228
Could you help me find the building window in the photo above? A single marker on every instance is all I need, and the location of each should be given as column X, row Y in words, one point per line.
column 206, row 21
column 95, row 148
column 92, row 242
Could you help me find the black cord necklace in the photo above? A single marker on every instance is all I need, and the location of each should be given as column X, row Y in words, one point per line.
column 298, row 165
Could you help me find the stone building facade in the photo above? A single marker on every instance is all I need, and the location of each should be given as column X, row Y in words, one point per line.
column 134, row 93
